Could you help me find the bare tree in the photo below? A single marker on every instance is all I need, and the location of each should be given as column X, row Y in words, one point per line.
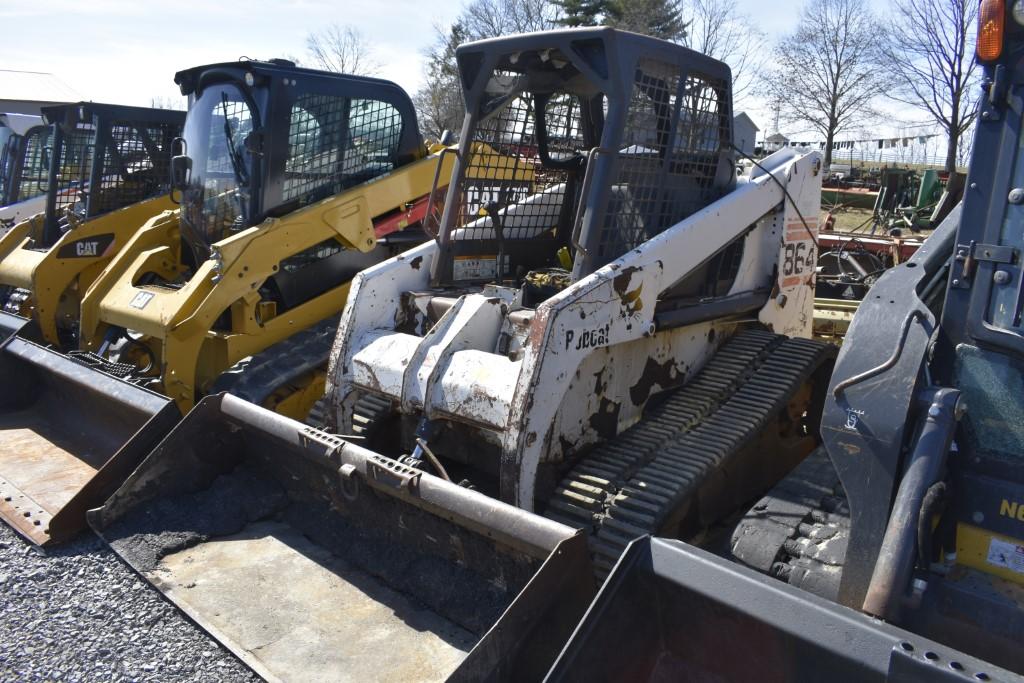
column 490, row 18
column 720, row 30
column 930, row 56
column 828, row 71
column 439, row 103
column 342, row 49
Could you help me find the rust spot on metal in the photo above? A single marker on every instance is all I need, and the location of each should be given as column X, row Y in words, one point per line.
column 630, row 298
column 537, row 327
column 408, row 318
column 416, row 263
column 606, row 420
column 621, row 281
column 655, row 374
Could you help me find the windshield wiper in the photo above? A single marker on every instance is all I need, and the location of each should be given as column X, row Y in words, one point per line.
column 241, row 175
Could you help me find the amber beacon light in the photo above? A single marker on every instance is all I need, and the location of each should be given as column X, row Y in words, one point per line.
column 991, row 25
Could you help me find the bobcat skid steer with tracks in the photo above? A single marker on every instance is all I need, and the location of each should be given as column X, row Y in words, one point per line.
column 22, row 176
column 290, row 181
column 605, row 342
column 109, row 170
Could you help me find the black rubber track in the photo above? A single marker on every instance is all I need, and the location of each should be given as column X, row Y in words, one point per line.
column 256, row 378
column 634, row 484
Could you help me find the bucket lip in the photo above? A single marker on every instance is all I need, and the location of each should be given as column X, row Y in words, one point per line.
column 839, row 633
column 33, row 524
column 10, row 325
column 54, row 362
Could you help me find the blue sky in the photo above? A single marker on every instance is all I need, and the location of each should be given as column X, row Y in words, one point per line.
column 127, row 51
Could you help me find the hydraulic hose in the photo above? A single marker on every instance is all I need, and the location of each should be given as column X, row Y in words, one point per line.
column 899, row 549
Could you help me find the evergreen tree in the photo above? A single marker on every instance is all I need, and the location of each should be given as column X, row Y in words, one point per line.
column 658, row 18
column 580, row 12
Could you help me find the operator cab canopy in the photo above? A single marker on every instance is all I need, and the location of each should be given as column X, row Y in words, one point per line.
column 265, row 138
column 582, row 141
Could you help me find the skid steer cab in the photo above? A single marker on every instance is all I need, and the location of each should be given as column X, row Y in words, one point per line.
column 599, row 280
column 22, row 176
column 106, row 173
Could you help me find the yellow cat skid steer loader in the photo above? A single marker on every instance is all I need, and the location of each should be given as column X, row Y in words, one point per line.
column 619, row 342
column 109, row 172
column 290, row 181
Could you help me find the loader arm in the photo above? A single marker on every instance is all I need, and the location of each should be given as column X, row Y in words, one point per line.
column 181, row 322
column 57, row 277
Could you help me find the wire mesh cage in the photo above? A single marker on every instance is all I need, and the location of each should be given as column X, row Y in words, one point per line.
column 567, row 151
column 677, row 125
column 335, row 143
column 105, row 164
column 315, row 143
column 374, row 130
column 514, row 203
column 74, row 162
column 135, row 165
column 504, row 146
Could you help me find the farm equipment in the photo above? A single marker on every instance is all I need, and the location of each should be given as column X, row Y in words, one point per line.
column 22, row 173
column 912, row 201
column 615, row 340
column 108, row 173
column 290, row 181
column 914, row 510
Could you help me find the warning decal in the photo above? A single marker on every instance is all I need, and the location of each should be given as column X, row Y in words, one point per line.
column 1007, row 555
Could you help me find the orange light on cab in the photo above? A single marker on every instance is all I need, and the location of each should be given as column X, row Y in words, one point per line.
column 991, row 25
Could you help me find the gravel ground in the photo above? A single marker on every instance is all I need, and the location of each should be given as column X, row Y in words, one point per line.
column 78, row 613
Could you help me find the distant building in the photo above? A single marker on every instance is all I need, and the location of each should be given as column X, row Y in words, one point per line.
column 775, row 142
column 744, row 133
column 27, row 92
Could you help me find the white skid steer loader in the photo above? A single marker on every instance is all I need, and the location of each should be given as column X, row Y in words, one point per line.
column 616, row 346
